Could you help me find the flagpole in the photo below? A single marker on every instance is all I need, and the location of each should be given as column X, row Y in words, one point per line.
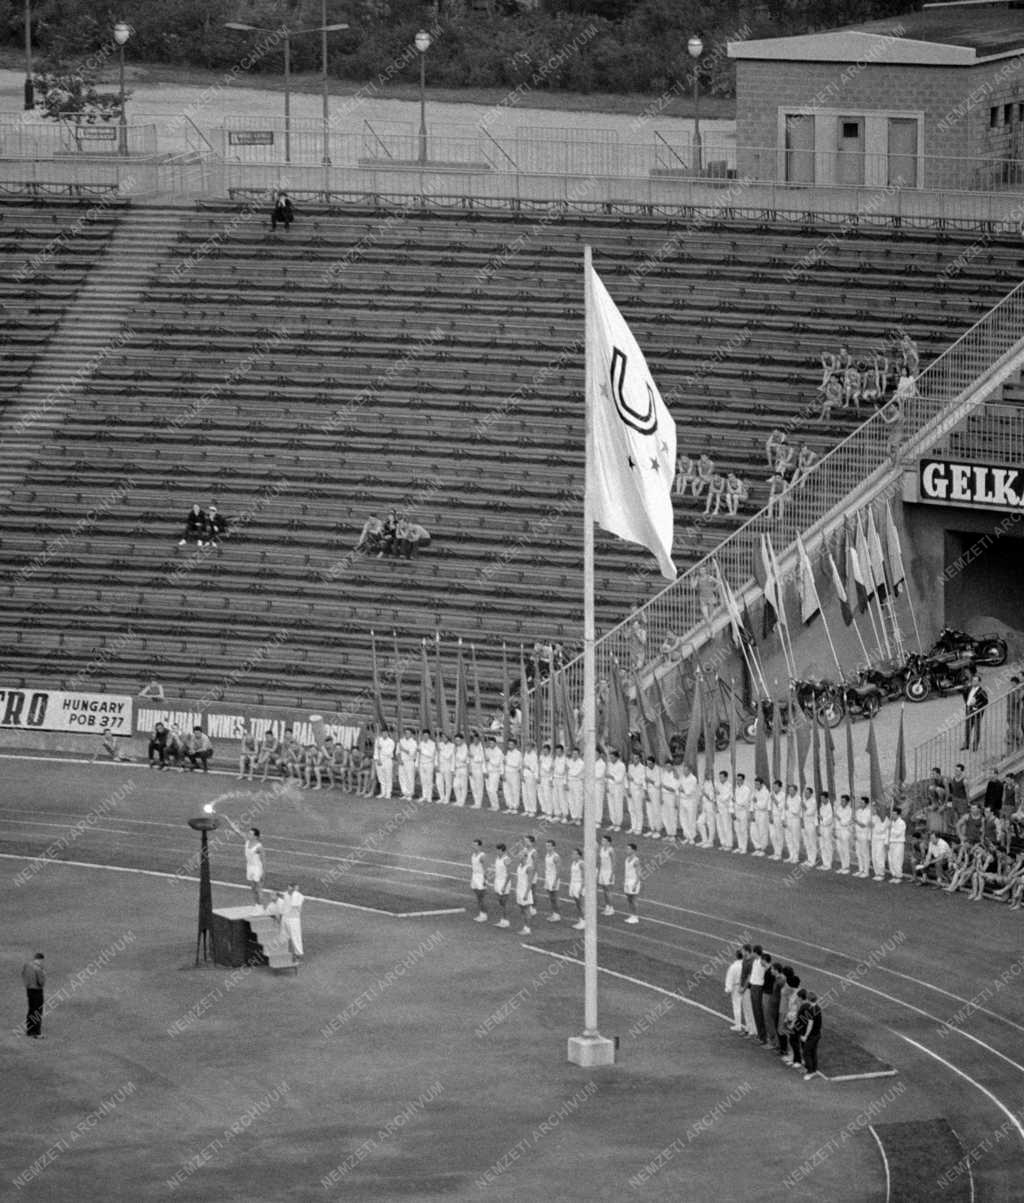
column 589, row 1048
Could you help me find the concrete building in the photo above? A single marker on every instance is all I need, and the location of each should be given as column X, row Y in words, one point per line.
column 931, row 99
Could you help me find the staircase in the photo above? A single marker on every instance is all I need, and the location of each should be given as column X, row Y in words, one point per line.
column 275, row 945
column 95, row 328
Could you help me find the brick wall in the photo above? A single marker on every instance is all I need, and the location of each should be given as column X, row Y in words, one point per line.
column 955, row 101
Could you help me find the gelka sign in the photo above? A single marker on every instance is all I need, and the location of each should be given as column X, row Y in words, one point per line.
column 950, row 482
column 57, row 710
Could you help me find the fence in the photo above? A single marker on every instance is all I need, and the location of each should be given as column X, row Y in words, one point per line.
column 1001, row 736
column 817, row 501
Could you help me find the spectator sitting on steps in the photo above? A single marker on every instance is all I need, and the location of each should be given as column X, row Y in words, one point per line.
column 195, row 525
column 282, row 211
column 200, row 749
column 411, row 537
column 371, row 536
column 216, row 528
column 388, row 535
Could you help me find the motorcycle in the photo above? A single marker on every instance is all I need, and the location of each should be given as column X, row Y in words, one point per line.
column 986, row 649
column 822, row 698
column 749, row 731
column 943, row 675
column 861, row 696
column 890, row 681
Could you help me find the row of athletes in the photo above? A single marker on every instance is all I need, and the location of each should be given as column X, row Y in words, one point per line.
column 311, row 764
column 498, row 877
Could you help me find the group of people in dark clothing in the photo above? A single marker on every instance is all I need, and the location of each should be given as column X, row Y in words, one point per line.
column 770, row 1006
column 170, row 747
column 205, row 528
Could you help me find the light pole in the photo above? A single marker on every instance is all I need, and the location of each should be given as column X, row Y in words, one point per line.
column 122, row 33
column 695, row 48
column 423, row 45
column 323, row 68
column 30, row 94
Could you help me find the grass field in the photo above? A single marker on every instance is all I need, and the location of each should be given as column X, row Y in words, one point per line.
column 424, row 1057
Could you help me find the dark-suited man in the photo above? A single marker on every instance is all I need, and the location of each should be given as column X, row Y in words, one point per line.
column 975, row 701
column 34, row 977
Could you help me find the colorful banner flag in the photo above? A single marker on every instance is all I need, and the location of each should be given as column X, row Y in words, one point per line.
column 693, row 730
column 443, row 719
column 478, row 710
column 816, row 756
column 506, row 726
column 762, row 768
column 803, row 741
column 710, row 727
column 618, row 713
column 776, row 743
column 399, row 716
column 425, row 698
column 810, row 603
column 661, row 730
column 731, row 606
column 525, row 726
column 840, row 590
column 878, row 567
column 770, row 614
column 461, row 696
column 897, row 573
column 850, row 766
column 830, row 761
column 863, row 561
column 900, row 775
column 378, row 701
column 875, row 767
column 634, row 436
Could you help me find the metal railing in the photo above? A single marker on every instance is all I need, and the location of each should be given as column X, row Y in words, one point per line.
column 817, row 501
column 1000, row 736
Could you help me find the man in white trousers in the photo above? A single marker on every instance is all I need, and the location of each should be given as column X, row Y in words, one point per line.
column 826, row 831
column 794, row 824
column 445, row 773
column 732, row 988
column 407, row 751
column 477, row 766
column 723, row 807
column 844, row 833
column 384, row 762
column 291, row 917
column 512, row 776
column 546, row 782
column 426, row 760
column 879, row 843
column 600, row 785
column 810, row 828
column 637, row 777
column 762, row 816
column 708, row 821
column 460, row 770
column 778, row 827
column 741, row 813
column 530, row 771
column 494, row 765
column 616, row 789
column 652, row 776
column 689, row 799
column 669, row 799
column 574, row 786
column 897, row 844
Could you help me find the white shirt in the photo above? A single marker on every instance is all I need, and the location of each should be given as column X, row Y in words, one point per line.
column 762, row 799
column 460, row 758
column 617, row 773
column 741, row 797
column 446, row 756
column 898, row 830
column 476, row 863
column 513, row 762
column 637, row 776
column 688, row 786
column 606, row 866
column 427, row 751
column 756, row 973
column 631, row 874
column 733, row 975
column 501, row 875
column 385, row 748
column 575, row 769
column 495, row 761
column 575, row 878
column 552, row 861
column 407, row 749
column 531, row 764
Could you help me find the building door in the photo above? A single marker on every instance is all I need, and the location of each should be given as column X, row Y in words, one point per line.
column 982, row 580
column 901, row 164
column 799, row 148
column 850, row 151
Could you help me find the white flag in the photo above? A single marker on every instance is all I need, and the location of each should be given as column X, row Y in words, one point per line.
column 634, row 435
column 810, row 603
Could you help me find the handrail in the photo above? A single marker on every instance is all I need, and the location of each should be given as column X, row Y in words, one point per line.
column 380, row 141
column 671, row 149
column 487, row 134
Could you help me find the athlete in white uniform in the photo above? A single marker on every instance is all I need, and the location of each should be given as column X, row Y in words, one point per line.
column 669, row 799
column 652, row 776
column 552, row 865
column 741, row 813
column 826, row 831
column 600, row 786
column 478, row 879
column 407, row 750
column 897, row 845
column 762, row 816
column 778, row 819
column 460, row 770
column 844, row 833
column 384, row 762
column 631, row 882
column 531, row 772
column 255, row 866
column 426, row 761
column 574, row 782
column 511, row 781
column 560, row 786
column 477, row 761
column 545, row 782
column 689, row 800
column 794, row 824
column 444, row 778
column 723, row 806
column 708, row 821
column 576, row 886
column 616, row 789
column 291, row 917
column 862, row 836
column 494, row 766
column 524, row 892
column 501, row 883
column 606, row 872
column 637, row 778
column 879, row 844
column 810, row 806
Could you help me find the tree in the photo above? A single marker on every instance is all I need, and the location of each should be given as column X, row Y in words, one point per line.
column 68, row 92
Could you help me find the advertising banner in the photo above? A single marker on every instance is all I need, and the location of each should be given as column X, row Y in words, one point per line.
column 59, row 710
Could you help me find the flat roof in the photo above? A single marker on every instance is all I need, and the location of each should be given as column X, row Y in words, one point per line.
column 945, row 34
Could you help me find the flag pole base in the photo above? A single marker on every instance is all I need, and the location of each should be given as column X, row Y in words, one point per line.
column 590, row 1050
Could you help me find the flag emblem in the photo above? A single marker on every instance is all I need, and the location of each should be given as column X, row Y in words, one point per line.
column 643, row 423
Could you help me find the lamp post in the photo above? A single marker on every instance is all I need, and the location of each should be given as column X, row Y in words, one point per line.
column 695, row 48
column 122, row 33
column 30, row 94
column 423, row 45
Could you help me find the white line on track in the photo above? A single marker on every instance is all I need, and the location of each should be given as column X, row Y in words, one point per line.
column 885, row 1162
column 65, row 826
column 690, row 1002
column 448, row 910
column 967, row 1078
column 231, row 885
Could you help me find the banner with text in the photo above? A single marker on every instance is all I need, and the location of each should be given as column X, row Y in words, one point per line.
column 226, row 722
column 993, row 486
column 58, row 710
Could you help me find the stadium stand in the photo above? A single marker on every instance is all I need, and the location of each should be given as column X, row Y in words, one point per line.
column 306, row 381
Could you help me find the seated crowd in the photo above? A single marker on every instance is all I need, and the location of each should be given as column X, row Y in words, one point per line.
column 170, row 748
column 392, row 536
column 313, row 765
column 700, row 477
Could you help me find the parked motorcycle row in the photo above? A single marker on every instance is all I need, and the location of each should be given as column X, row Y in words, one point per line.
column 944, row 669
